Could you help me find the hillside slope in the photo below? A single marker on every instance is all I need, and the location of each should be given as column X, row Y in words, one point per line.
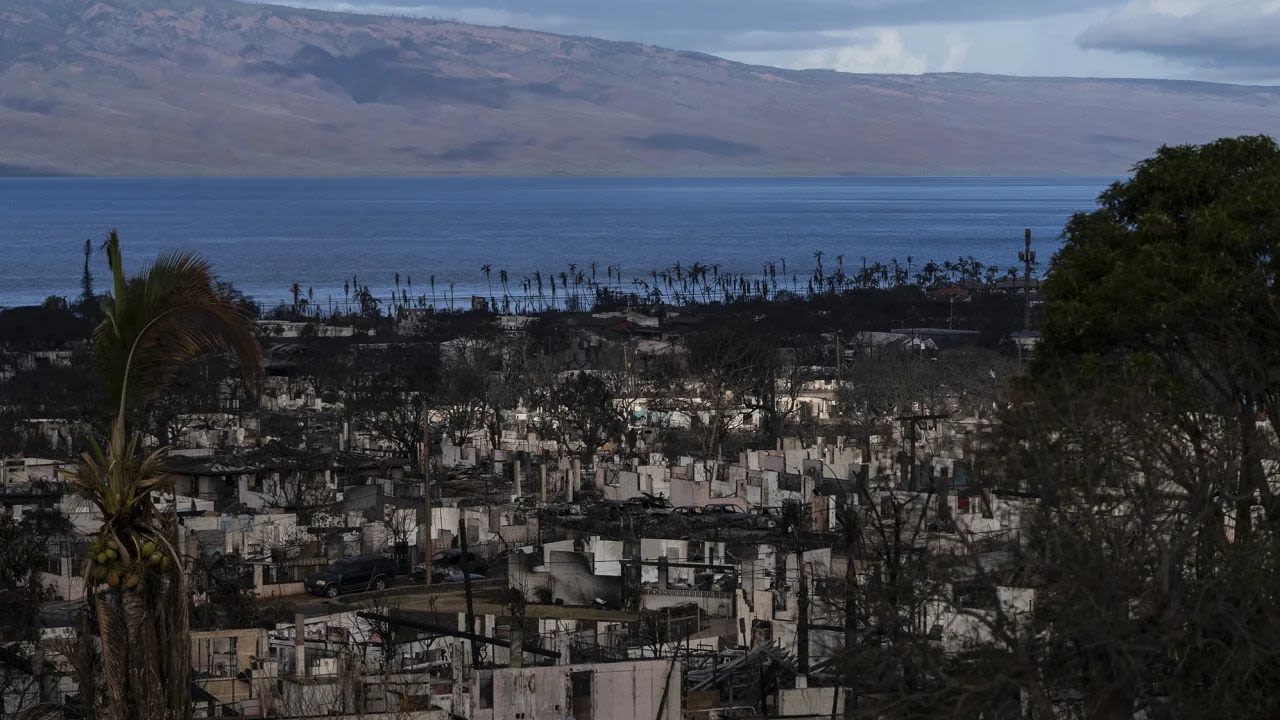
column 216, row 87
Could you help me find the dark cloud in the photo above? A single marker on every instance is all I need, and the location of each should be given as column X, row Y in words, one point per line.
column 722, row 24
column 1235, row 34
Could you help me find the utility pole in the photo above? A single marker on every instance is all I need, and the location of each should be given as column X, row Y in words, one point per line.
column 852, row 533
column 466, row 585
column 300, row 645
column 425, row 463
column 839, row 368
column 1028, row 258
column 568, row 485
column 839, row 360
column 802, row 629
column 764, row 693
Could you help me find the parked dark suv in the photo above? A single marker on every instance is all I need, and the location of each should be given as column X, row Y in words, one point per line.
column 357, row 574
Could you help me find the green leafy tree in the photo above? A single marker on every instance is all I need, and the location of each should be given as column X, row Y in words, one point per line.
column 1143, row 436
column 1174, row 277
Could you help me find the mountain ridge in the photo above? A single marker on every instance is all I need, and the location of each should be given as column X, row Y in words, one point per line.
column 220, row 87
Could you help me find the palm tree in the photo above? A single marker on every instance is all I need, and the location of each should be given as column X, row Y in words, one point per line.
column 153, row 324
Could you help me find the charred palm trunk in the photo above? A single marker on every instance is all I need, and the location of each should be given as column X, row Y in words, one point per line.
column 114, row 637
column 145, row 651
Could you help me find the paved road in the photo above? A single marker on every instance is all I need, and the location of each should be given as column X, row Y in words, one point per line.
column 405, row 592
column 450, row 598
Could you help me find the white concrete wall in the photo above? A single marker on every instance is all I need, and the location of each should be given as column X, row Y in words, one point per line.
column 619, row 691
column 606, row 556
column 798, row 702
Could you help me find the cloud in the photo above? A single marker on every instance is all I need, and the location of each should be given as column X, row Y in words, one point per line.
column 957, row 55
column 873, row 51
column 881, row 48
column 1210, row 39
column 728, row 25
column 894, row 51
column 1214, row 34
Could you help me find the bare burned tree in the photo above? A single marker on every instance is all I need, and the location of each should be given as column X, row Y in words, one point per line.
column 774, row 380
column 709, row 384
column 391, row 394
column 587, row 414
column 471, row 391
column 463, row 400
column 898, row 571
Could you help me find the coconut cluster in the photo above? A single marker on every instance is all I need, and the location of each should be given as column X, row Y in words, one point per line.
column 107, row 565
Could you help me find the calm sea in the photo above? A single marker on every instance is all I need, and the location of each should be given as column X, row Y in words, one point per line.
column 265, row 235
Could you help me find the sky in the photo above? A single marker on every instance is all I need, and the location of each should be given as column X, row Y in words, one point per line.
column 1216, row 40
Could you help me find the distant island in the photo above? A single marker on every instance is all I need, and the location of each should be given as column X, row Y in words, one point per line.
column 216, row 87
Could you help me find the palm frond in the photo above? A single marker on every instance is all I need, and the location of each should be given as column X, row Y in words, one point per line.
column 154, row 323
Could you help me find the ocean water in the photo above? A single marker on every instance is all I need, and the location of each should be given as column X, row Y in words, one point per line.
column 266, row 234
